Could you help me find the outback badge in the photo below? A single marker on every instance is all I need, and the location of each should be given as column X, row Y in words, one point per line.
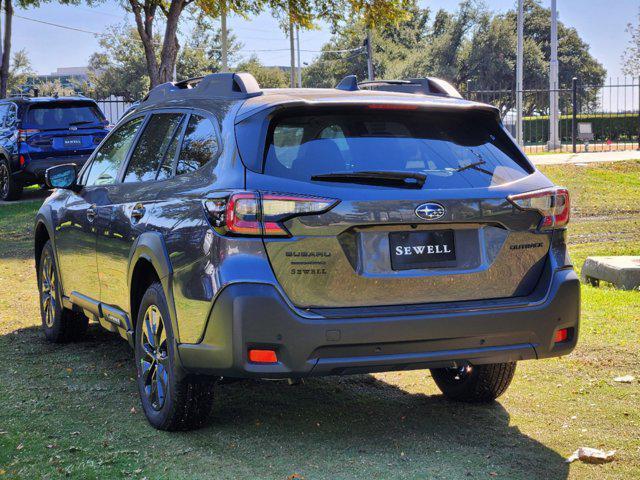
column 430, row 211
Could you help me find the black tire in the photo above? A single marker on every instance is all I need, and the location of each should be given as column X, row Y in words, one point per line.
column 10, row 189
column 171, row 400
column 474, row 383
column 59, row 324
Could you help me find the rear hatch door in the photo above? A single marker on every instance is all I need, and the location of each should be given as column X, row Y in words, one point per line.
column 447, row 233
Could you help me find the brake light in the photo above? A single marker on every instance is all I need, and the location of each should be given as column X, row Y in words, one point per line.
column 392, row 106
column 24, row 134
column 552, row 203
column 262, row 213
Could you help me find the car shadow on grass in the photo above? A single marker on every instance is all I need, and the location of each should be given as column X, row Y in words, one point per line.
column 336, row 427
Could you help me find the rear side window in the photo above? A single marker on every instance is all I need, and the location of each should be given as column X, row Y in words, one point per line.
column 454, row 150
column 107, row 161
column 4, row 112
column 151, row 149
column 61, row 115
column 200, row 144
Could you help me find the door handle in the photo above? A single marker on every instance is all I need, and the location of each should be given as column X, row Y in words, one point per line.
column 91, row 213
column 138, row 211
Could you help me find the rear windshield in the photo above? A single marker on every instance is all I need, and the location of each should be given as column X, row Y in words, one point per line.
column 454, row 150
column 63, row 115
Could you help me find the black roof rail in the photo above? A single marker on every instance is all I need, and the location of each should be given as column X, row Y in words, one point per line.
column 421, row 86
column 227, row 85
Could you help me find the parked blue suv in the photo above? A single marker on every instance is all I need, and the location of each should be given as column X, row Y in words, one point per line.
column 37, row 133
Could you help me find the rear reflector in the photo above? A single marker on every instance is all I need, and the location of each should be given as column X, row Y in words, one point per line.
column 22, row 160
column 262, row 213
column 263, row 356
column 552, row 203
column 562, row 335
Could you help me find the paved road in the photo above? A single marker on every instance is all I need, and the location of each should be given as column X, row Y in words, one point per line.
column 572, row 158
column 31, row 194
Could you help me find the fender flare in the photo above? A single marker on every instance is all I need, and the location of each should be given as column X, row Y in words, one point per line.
column 43, row 217
column 150, row 246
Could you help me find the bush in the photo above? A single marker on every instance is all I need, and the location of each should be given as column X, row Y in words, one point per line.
column 623, row 127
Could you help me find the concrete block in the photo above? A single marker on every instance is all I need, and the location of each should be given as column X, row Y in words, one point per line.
column 622, row 271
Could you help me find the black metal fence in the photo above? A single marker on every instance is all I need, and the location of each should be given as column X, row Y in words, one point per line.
column 114, row 108
column 591, row 117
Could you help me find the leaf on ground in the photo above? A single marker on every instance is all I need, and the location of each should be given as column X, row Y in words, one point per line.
column 295, row 476
column 20, row 446
column 625, row 379
column 592, row 455
column 133, row 410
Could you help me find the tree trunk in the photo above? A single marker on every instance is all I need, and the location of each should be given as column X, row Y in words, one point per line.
column 145, row 30
column 6, row 50
column 170, row 44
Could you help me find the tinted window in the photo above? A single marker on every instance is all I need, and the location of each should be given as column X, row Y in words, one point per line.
column 4, row 110
column 454, row 150
column 106, row 162
column 12, row 116
column 200, row 145
column 152, row 146
column 166, row 169
column 63, row 115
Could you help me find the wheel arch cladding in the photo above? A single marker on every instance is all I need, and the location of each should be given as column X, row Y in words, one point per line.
column 148, row 263
column 40, row 237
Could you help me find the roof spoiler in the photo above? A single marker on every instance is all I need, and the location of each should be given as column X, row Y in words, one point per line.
column 420, row 86
column 233, row 86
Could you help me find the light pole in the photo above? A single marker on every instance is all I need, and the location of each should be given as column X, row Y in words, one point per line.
column 298, row 52
column 519, row 67
column 554, row 141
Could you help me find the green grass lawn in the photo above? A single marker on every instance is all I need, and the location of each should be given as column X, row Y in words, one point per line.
column 73, row 410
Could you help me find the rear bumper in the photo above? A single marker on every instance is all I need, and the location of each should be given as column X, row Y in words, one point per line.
column 33, row 171
column 248, row 316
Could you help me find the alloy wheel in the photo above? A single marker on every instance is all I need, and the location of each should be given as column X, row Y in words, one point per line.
column 154, row 361
column 47, row 289
column 459, row 374
column 4, row 180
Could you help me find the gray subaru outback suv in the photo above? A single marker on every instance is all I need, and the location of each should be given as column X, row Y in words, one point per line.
column 230, row 231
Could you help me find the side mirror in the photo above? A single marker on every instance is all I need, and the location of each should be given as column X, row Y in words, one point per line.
column 61, row 176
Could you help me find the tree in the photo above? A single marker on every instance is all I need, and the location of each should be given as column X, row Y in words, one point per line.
column 161, row 53
column 120, row 68
column 344, row 54
column 20, row 70
column 631, row 56
column 5, row 47
column 267, row 77
column 470, row 47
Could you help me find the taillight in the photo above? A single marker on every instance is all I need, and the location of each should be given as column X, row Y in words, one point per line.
column 24, row 134
column 552, row 203
column 262, row 213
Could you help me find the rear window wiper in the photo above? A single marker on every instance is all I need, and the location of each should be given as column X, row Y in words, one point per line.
column 470, row 165
column 386, row 178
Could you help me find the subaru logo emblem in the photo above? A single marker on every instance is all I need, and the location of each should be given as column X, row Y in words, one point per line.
column 430, row 211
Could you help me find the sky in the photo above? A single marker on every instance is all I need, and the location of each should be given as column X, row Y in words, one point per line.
column 600, row 23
